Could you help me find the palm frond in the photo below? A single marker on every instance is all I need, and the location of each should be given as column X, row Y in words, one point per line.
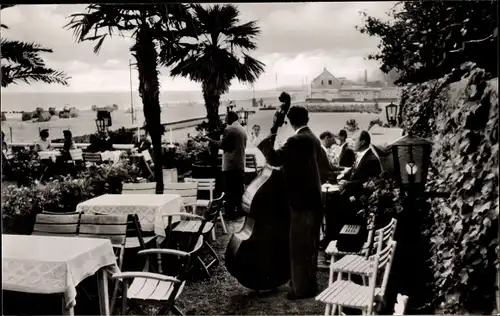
column 25, row 54
column 5, row 6
column 15, row 74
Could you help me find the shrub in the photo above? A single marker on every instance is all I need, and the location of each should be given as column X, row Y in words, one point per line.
column 460, row 113
column 346, row 108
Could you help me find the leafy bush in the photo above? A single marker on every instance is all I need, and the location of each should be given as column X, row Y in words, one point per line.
column 20, row 204
column 351, row 125
column 462, row 119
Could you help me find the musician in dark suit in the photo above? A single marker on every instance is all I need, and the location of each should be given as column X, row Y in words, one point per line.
column 300, row 158
column 233, row 144
column 346, row 156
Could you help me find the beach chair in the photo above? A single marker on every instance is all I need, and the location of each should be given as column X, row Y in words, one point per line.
column 207, row 185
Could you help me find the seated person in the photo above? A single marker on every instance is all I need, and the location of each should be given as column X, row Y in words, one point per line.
column 255, row 137
column 346, row 157
column 43, row 143
column 107, row 143
column 365, row 167
column 68, row 145
column 143, row 144
column 100, row 143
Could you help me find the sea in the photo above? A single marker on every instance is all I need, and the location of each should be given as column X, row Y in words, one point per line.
column 176, row 105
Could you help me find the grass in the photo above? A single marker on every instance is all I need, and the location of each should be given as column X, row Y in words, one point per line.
column 221, row 294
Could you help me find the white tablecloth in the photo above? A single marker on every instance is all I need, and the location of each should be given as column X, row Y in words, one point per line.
column 49, row 154
column 47, row 264
column 111, row 155
column 149, row 208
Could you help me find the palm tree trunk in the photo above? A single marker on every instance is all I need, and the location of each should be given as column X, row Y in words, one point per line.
column 212, row 105
column 145, row 54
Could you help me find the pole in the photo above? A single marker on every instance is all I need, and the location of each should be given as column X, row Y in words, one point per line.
column 131, row 95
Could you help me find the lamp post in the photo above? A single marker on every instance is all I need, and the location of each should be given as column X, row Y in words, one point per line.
column 103, row 120
column 391, row 112
column 411, row 156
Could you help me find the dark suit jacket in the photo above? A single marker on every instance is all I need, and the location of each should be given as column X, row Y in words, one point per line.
column 233, row 143
column 301, row 158
column 368, row 167
column 143, row 145
column 346, row 157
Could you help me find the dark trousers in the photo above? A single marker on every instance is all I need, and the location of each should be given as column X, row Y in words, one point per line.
column 233, row 189
column 304, row 242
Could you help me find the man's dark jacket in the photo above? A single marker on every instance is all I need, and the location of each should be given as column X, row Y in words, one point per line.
column 305, row 167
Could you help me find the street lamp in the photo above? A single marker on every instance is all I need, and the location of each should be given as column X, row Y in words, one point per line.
column 103, row 120
column 411, row 156
column 391, row 112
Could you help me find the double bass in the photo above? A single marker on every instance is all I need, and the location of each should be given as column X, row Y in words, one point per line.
column 258, row 255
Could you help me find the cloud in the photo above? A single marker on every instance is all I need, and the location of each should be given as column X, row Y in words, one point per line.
column 297, row 41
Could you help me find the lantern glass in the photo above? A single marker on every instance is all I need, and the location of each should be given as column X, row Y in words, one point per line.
column 411, row 168
column 391, row 112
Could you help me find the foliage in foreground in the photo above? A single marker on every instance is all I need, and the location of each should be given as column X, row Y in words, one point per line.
column 425, row 40
column 21, row 62
column 460, row 113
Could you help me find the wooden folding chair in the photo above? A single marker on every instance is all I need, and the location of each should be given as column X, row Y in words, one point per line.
column 345, row 293
column 57, row 224
column 112, row 227
column 139, row 188
column 92, row 158
column 154, row 288
column 187, row 190
column 208, row 185
column 251, row 169
column 388, row 232
column 192, row 226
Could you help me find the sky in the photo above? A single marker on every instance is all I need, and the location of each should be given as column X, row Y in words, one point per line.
column 297, row 41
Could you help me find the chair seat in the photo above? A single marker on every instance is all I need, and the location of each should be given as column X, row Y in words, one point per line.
column 133, row 242
column 250, row 170
column 202, row 203
column 151, row 290
column 347, row 294
column 192, row 227
column 352, row 264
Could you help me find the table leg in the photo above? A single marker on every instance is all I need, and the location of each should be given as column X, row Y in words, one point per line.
column 158, row 244
column 102, row 287
column 67, row 312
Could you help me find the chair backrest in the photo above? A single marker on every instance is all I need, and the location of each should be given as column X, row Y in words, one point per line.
column 133, row 228
column 112, row 227
column 60, row 213
column 388, row 232
column 381, row 261
column 92, row 157
column 204, row 185
column 139, row 188
column 251, row 161
column 214, row 208
column 187, row 190
column 60, row 225
column 76, row 154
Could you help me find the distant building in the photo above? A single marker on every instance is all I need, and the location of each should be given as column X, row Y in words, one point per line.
column 327, row 87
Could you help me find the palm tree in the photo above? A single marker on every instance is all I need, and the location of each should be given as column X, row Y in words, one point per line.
column 21, row 62
column 219, row 55
column 155, row 29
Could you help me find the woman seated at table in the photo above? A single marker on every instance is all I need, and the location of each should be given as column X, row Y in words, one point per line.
column 43, row 143
column 67, row 145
